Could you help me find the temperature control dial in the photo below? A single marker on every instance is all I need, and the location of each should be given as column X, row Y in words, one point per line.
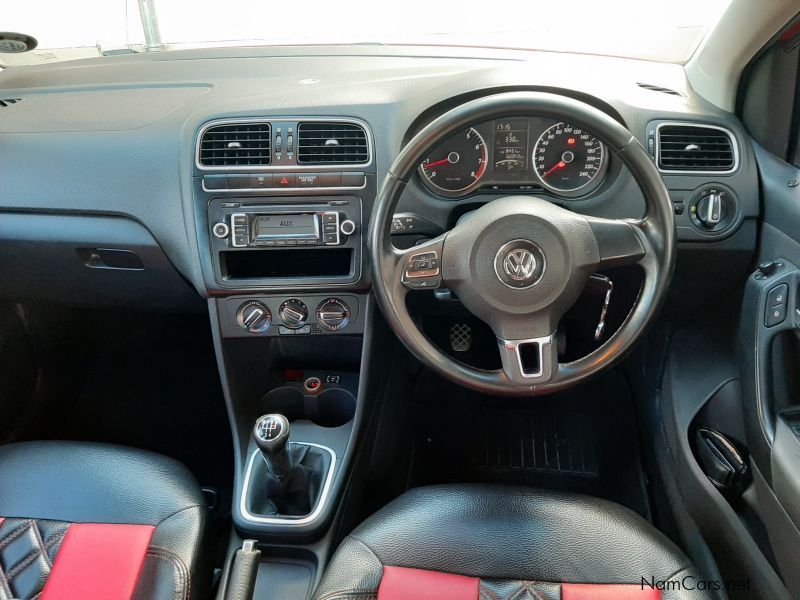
column 293, row 313
column 254, row 317
column 333, row 314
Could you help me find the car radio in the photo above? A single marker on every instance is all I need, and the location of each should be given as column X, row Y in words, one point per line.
column 281, row 228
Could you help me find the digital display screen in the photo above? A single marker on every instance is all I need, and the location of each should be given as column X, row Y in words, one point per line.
column 511, row 147
column 296, row 226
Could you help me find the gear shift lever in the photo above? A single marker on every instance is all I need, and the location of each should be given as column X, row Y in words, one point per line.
column 271, row 435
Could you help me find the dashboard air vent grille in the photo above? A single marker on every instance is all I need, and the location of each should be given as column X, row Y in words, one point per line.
column 695, row 148
column 236, row 144
column 9, row 101
column 658, row 88
column 332, row 144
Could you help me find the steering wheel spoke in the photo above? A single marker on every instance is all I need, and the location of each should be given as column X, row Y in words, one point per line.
column 420, row 267
column 621, row 242
column 529, row 362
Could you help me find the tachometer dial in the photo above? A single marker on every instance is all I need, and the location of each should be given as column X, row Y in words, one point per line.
column 568, row 158
column 457, row 164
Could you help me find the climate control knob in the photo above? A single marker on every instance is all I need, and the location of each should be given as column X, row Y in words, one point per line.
column 293, row 313
column 333, row 314
column 254, row 317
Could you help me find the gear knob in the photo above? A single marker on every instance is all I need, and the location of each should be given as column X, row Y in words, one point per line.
column 271, row 434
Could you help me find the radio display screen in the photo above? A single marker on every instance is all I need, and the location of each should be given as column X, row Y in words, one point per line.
column 295, row 226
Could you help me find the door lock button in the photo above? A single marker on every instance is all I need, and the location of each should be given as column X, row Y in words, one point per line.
column 777, row 303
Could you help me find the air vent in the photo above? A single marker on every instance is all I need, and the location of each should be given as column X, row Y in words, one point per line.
column 9, row 101
column 332, row 144
column 695, row 148
column 658, row 88
column 236, row 144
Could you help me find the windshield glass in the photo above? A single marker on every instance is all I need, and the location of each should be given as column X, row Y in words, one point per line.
column 663, row 30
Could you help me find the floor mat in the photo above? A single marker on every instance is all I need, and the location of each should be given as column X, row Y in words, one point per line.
column 582, row 440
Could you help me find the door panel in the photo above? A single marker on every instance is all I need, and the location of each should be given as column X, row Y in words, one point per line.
column 770, row 364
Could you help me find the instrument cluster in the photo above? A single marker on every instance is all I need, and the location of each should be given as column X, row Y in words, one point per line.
column 517, row 154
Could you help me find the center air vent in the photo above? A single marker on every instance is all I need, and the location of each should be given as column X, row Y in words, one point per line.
column 695, row 148
column 9, row 101
column 236, row 144
column 332, row 144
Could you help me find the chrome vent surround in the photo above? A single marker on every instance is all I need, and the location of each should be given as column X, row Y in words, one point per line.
column 9, row 101
column 689, row 148
column 658, row 88
column 236, row 145
column 332, row 143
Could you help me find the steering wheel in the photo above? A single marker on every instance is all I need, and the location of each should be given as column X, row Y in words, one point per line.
column 520, row 262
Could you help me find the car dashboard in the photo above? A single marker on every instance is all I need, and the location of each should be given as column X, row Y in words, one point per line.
column 110, row 153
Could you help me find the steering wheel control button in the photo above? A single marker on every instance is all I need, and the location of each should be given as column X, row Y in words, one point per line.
column 221, row 230
column 312, row 384
column 254, row 317
column 293, row 313
column 519, row 264
column 333, row 314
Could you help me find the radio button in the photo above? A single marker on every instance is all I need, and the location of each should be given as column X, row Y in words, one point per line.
column 307, row 180
column 330, row 217
column 261, row 181
column 330, row 180
column 348, row 227
column 215, row 182
column 238, row 182
column 239, row 219
column 331, row 238
column 353, row 180
column 284, row 180
column 221, row 230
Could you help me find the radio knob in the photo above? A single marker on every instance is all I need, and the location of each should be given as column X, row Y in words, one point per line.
column 254, row 317
column 293, row 313
column 347, row 227
column 333, row 314
column 221, row 230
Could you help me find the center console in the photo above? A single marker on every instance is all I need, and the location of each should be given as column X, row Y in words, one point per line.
column 281, row 205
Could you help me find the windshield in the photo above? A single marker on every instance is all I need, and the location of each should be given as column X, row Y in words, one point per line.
column 664, row 30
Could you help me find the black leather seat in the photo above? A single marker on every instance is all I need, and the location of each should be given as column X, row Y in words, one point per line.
column 92, row 521
column 506, row 543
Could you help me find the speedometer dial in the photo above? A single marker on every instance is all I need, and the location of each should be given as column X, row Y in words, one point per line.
column 457, row 164
column 568, row 158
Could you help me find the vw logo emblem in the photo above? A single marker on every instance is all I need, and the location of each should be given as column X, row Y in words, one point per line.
column 519, row 264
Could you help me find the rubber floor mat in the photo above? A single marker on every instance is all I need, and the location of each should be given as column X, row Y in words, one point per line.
column 542, row 441
column 582, row 440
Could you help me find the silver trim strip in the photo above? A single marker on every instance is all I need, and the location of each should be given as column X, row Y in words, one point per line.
column 287, row 168
column 728, row 132
column 309, row 518
column 268, row 191
column 513, row 347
